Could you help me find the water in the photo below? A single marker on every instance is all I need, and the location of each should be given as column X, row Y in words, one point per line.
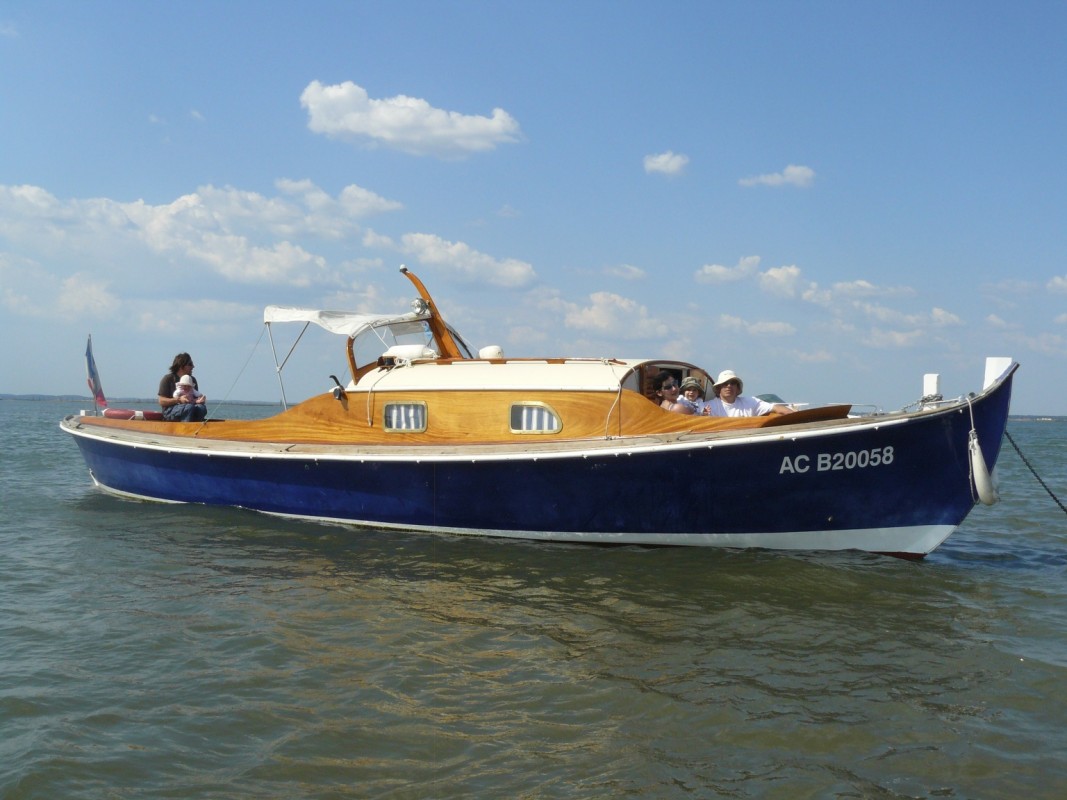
column 168, row 651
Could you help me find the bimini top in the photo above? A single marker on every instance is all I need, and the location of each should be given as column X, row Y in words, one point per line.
column 345, row 323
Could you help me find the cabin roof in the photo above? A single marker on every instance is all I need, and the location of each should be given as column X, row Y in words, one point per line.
column 576, row 374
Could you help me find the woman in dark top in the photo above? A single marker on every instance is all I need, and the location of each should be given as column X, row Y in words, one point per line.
column 174, row 410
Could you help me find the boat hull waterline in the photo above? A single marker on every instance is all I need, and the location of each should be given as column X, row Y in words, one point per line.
column 897, row 484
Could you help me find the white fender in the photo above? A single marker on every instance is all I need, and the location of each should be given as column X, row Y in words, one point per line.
column 983, row 483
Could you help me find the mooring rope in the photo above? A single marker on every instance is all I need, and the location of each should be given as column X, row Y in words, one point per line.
column 1034, row 471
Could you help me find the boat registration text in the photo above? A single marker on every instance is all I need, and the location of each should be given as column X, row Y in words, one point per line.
column 828, row 462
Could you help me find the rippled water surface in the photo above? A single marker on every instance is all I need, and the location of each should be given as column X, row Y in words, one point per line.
column 179, row 651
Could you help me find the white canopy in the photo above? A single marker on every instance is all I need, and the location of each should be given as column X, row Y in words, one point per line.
column 346, row 323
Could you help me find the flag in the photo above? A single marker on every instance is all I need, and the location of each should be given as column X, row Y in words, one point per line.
column 95, row 389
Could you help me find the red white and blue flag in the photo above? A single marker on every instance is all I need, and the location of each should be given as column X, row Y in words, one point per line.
column 93, row 376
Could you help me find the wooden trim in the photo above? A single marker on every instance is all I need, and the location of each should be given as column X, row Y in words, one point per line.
column 464, row 418
column 449, row 348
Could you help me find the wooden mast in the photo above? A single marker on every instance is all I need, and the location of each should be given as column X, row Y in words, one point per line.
column 449, row 348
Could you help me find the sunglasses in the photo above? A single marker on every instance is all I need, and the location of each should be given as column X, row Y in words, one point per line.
column 670, row 385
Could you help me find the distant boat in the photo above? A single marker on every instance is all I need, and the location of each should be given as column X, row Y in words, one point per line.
column 429, row 435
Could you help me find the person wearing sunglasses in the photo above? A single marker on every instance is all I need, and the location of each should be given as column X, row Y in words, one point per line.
column 175, row 408
column 667, row 389
column 729, row 402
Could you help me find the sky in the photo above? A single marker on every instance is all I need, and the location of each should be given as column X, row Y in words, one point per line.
column 829, row 198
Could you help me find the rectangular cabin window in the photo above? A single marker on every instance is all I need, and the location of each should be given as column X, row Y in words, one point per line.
column 534, row 418
column 405, row 417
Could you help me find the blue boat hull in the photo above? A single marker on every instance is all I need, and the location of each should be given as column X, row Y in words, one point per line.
column 901, row 485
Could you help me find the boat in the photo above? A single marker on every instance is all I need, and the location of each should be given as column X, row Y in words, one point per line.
column 429, row 435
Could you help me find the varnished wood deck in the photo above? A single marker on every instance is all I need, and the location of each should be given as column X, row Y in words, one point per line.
column 462, row 418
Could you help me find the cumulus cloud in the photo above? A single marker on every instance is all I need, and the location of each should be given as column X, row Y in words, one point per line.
column 782, row 281
column 83, row 295
column 863, row 288
column 1058, row 284
column 884, row 339
column 942, row 318
column 626, row 272
column 668, row 163
column 717, row 273
column 1049, row 344
column 793, row 175
column 935, row 318
column 465, row 262
column 612, row 315
column 241, row 235
column 206, row 315
column 814, row 357
column 846, row 303
column 345, row 111
column 729, row 322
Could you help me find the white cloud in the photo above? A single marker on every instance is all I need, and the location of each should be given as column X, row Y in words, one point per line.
column 862, row 288
column 378, row 241
column 1061, row 319
column 886, row 339
column 1058, row 284
column 728, row 322
column 792, row 175
column 1049, row 344
column 936, row 318
column 717, row 273
column 409, row 124
column 626, row 272
column 668, row 163
column 236, row 258
column 243, row 236
column 466, row 262
column 940, row 318
column 613, row 315
column 782, row 281
column 26, row 288
column 82, row 295
column 206, row 315
column 766, row 328
column 815, row 357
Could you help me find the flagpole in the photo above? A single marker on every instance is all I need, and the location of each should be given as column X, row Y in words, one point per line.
column 93, row 379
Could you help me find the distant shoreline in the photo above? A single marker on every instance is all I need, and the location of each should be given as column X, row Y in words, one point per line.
column 120, row 401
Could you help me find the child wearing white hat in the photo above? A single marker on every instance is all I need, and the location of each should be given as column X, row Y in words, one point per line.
column 185, row 391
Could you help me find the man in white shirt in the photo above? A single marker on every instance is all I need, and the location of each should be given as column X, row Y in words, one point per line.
column 729, row 402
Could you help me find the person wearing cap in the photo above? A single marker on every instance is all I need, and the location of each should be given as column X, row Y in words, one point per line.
column 177, row 408
column 692, row 395
column 666, row 386
column 729, row 402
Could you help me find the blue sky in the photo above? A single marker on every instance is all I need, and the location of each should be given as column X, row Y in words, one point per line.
column 829, row 198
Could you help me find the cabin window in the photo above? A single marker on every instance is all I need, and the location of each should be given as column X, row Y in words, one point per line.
column 534, row 418
column 405, row 417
